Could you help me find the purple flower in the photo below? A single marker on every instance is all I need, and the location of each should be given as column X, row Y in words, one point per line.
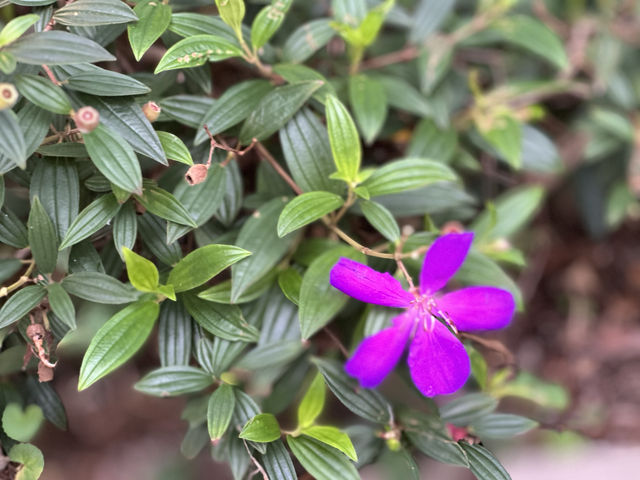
column 437, row 360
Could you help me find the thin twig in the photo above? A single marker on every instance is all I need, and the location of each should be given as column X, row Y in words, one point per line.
column 337, row 341
column 264, row 153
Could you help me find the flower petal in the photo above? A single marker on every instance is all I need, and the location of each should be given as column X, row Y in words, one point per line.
column 378, row 354
column 365, row 284
column 443, row 259
column 438, row 362
column 478, row 308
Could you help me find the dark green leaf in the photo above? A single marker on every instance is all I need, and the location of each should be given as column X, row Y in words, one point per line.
column 154, row 18
column 404, row 96
column 197, row 50
column 277, row 463
column 428, row 16
column 115, row 158
column 431, row 141
column 99, row 288
column 21, row 303
column 344, row 140
column 290, row 282
column 262, row 428
column 12, row 230
column 164, row 205
column 319, row 301
column 464, row 410
column 276, row 353
column 367, row 404
column 406, row 174
column 153, row 234
column 174, row 381
column 117, row 341
column 188, row 24
column 34, row 123
column 174, row 334
column 61, row 304
column 12, row 142
column 46, row 397
column 275, row 109
column 502, row 425
column 125, row 228
column 219, row 411
column 483, row 464
column 320, row 460
column 94, row 12
column 91, row 219
column 55, row 47
column 369, row 102
column 73, row 150
column 296, row 73
column 98, row 81
column 187, row 109
column 307, row 39
column 43, row 93
column 505, row 135
column 307, row 208
column 42, row 238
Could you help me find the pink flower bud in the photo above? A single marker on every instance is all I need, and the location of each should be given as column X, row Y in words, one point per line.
column 87, row 119
column 151, row 110
column 196, row 174
column 8, row 96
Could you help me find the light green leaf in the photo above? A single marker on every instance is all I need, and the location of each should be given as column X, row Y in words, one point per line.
column 344, row 140
column 381, row 219
column 407, row 174
column 203, row 264
column 153, row 19
column 197, row 50
column 43, row 93
column 320, row 460
column 275, row 109
column 307, row 208
column 174, row 148
column 42, row 237
column 262, row 428
column 21, row 424
column 369, row 102
column 8, row 62
column 232, row 13
column 117, row 340
column 91, row 219
column 290, row 282
column 220, row 410
column 31, row 459
column 268, row 21
column 505, row 135
column 142, row 273
column 334, row 437
column 16, row 27
column 312, row 403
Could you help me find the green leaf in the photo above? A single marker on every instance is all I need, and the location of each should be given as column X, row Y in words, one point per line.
column 428, row 434
column 154, row 18
column 312, row 403
column 225, row 321
column 369, row 102
column 220, row 410
column 381, row 219
column 307, row 208
column 187, row 109
column 319, row 301
column 203, row 264
column 43, row 93
column 8, row 62
column 174, row 334
column 530, row 34
column 290, row 282
column 406, row 174
column 98, row 81
column 258, row 236
column 197, row 50
column 502, row 425
column 466, row 409
column 305, row 145
column 61, row 304
column 42, row 238
column 232, row 13
column 483, row 464
column 271, row 354
column 277, row 463
column 16, row 27
column 428, row 16
column 546, row 394
column 31, row 459
column 174, row 381
column 72, row 150
column 321, row 460
column 505, row 135
column 164, row 205
column 365, row 403
column 21, row 303
column 125, row 228
column 344, row 140
column 262, row 428
column 114, row 158
column 90, row 13
column 12, row 230
column 12, row 141
column 404, row 96
column 46, row 397
column 153, row 232
column 431, row 141
column 20, row 424
column 188, row 24
column 99, row 288
column 142, row 273
column 56, row 47
column 233, row 106
column 268, row 21
column 221, row 292
column 117, row 340
column 91, row 219
column 174, row 148
column 509, row 215
column 307, row 39
column 334, row 437
column 275, row 109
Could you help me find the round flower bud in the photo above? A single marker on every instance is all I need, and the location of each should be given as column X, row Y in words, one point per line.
column 8, row 96
column 196, row 174
column 87, row 119
column 151, row 110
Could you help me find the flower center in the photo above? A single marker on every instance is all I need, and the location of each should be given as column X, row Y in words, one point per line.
column 426, row 312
